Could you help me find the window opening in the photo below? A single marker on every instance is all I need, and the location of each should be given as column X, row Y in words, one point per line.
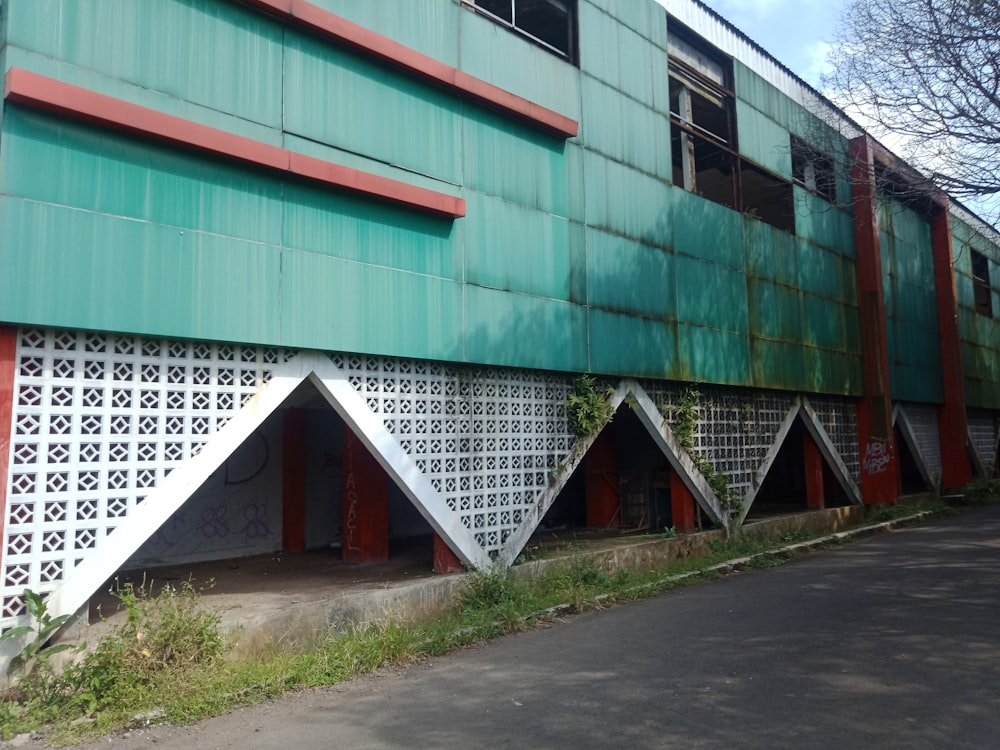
column 703, row 141
column 813, row 170
column 767, row 197
column 982, row 290
column 549, row 23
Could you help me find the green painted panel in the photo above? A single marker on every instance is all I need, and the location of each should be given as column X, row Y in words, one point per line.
column 710, row 295
column 910, row 383
column 514, row 162
column 647, row 19
column 770, row 252
column 852, row 328
column 508, row 246
column 526, row 331
column 823, row 224
column 828, row 371
column 713, row 356
column 904, row 223
column 627, row 276
column 345, row 101
column 629, row 345
column 166, row 46
column 506, row 59
column 707, row 230
column 339, row 225
column 824, row 323
column 764, row 141
column 786, row 259
column 753, row 89
column 643, row 64
column 429, row 26
column 578, row 263
column 402, row 314
column 575, row 192
column 106, row 172
column 775, row 310
column 78, row 269
column 598, row 58
column 627, row 201
column 964, row 291
column 819, row 271
column 776, row 364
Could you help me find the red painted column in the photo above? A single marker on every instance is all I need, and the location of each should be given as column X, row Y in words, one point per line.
column 879, row 469
column 815, row 497
column 681, row 505
column 445, row 561
column 366, row 504
column 293, row 480
column 600, row 467
column 956, row 469
column 8, row 360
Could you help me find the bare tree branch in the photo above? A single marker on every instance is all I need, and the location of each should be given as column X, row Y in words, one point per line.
column 927, row 74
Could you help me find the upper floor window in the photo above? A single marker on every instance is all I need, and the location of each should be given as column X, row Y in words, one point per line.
column 703, row 144
column 550, row 23
column 813, row 170
column 981, row 289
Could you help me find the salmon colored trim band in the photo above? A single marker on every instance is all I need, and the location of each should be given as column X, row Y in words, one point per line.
column 40, row 92
column 341, row 31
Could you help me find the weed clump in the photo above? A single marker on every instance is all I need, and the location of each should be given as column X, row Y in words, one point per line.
column 164, row 640
column 983, row 491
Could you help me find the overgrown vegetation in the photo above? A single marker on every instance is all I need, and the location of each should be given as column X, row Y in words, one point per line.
column 168, row 660
column 589, row 406
column 982, row 491
column 683, row 418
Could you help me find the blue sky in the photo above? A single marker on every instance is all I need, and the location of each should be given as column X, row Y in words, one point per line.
column 796, row 32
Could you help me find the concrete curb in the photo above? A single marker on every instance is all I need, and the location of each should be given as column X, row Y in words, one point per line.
column 741, row 563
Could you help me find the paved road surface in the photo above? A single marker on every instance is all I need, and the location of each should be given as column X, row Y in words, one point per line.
column 891, row 642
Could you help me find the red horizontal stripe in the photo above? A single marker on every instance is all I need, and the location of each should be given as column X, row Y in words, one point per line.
column 343, row 32
column 40, row 92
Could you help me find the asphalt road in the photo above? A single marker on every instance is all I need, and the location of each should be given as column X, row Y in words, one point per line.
column 889, row 642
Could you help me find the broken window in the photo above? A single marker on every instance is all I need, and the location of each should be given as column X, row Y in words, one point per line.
column 767, row 197
column 549, row 23
column 703, row 142
column 813, row 170
column 701, row 123
column 982, row 291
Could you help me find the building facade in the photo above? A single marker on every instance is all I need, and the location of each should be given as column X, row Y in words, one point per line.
column 289, row 274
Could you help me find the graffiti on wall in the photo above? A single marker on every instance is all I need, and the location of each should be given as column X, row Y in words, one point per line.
column 351, row 498
column 876, row 458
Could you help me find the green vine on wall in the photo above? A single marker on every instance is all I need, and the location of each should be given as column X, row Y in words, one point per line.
column 589, row 406
column 683, row 416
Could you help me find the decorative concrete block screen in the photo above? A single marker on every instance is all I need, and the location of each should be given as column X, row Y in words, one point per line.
column 103, row 422
column 921, row 421
column 485, row 438
column 984, row 434
column 99, row 420
column 733, row 429
column 839, row 418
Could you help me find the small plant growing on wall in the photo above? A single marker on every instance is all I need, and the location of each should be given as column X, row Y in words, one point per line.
column 589, row 406
column 684, row 415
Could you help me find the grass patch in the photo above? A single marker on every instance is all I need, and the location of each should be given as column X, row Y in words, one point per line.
column 169, row 660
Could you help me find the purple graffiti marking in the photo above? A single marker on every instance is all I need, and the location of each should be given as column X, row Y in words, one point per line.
column 876, row 458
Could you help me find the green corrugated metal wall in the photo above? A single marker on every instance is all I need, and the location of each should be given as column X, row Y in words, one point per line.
column 980, row 333
column 573, row 255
